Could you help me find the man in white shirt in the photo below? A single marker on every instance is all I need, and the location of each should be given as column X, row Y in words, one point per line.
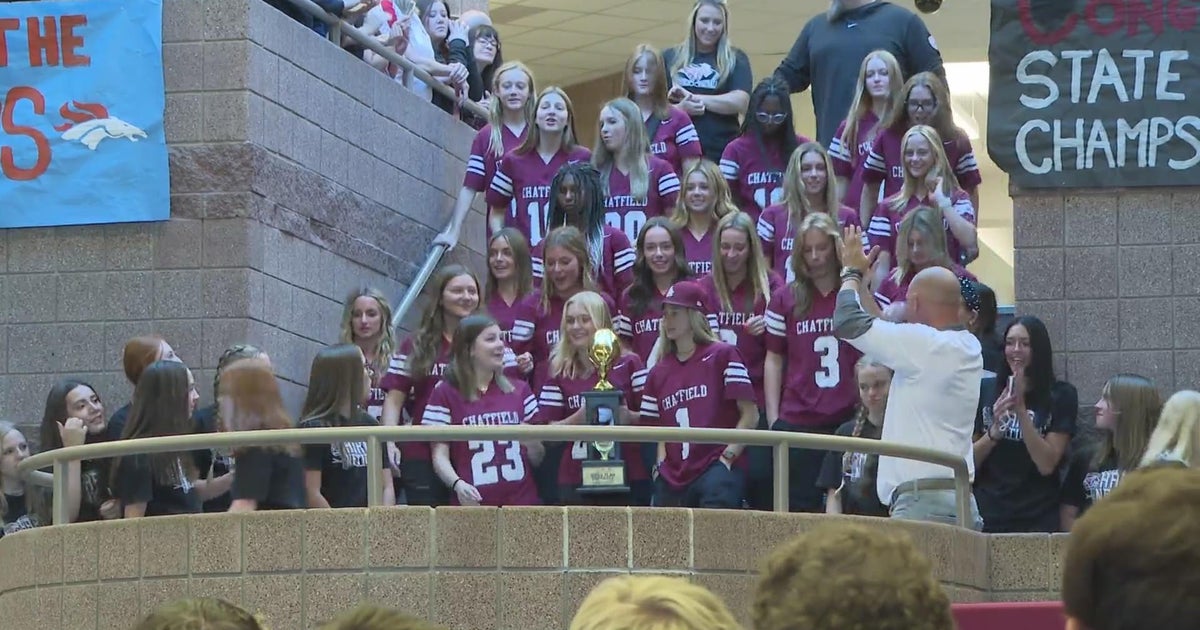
column 938, row 365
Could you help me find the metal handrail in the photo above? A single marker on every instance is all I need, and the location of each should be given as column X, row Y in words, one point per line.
column 375, row 437
column 338, row 26
column 418, row 284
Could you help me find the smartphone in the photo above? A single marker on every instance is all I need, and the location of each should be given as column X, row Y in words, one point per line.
column 1010, row 383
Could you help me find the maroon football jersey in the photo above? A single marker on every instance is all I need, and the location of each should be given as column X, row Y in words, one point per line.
column 743, row 306
column 885, row 223
column 562, row 396
column 499, row 470
column 547, row 327
column 848, row 161
column 755, row 178
column 891, row 291
column 777, row 234
column 698, row 251
column 819, row 389
column 640, row 329
column 416, row 389
column 614, row 266
column 885, row 162
column 627, row 214
column 524, row 180
column 513, row 330
column 701, row 392
column 481, row 164
column 675, row 140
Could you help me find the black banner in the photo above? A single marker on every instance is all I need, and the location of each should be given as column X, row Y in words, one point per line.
column 1095, row 93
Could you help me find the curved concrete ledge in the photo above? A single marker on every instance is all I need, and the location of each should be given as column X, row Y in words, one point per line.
column 469, row 568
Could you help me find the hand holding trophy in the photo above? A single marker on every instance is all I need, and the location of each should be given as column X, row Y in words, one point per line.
column 603, row 473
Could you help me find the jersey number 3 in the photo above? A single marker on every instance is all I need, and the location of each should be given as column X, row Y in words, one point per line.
column 830, row 373
column 486, row 470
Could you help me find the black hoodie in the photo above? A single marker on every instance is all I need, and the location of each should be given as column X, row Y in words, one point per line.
column 827, row 56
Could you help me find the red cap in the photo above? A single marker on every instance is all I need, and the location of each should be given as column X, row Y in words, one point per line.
column 685, row 294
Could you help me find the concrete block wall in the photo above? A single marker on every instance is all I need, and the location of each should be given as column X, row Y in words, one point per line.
column 463, row 568
column 297, row 173
column 1114, row 275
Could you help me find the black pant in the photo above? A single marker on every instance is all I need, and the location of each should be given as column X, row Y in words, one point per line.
column 760, row 478
column 1048, row 522
column 545, row 475
column 421, row 484
column 718, row 487
column 804, row 466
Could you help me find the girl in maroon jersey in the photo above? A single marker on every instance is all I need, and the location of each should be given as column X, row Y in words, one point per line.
column 475, row 392
column 660, row 264
column 753, row 163
column 577, row 199
column 561, row 401
column 510, row 280
column 524, row 174
column 367, row 323
column 927, row 182
column 880, row 85
column 807, row 188
column 672, row 135
column 922, row 244
column 808, row 377
column 414, row 370
column 704, row 201
column 926, row 102
column 510, row 115
column 637, row 186
column 698, row 382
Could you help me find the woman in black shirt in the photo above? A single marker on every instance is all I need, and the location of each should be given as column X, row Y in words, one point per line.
column 15, row 512
column 335, row 475
column 213, row 463
column 1126, row 415
column 74, row 415
column 849, row 478
column 264, row 477
column 1025, row 421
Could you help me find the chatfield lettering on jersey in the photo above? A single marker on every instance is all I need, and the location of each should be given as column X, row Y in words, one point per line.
column 683, row 395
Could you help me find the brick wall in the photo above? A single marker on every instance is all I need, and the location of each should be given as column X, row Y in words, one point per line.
column 297, row 173
column 464, row 568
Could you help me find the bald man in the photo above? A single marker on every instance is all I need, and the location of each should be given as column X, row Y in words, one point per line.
column 938, row 365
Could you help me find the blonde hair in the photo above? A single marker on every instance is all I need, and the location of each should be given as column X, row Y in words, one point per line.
column 862, row 419
column 655, row 602
column 7, row 427
column 863, row 101
column 802, row 286
column 794, row 198
column 756, row 265
column 571, row 239
column 534, row 135
column 368, row 617
column 927, row 221
column 726, row 54
column 722, row 203
column 658, row 89
column 634, row 155
column 496, row 108
column 1139, row 405
column 569, row 362
column 200, row 614
column 387, row 337
column 1177, row 436
column 702, row 334
column 912, row 186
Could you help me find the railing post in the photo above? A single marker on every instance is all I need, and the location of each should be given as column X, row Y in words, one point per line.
column 374, row 472
column 61, row 515
column 962, row 495
column 782, row 469
column 335, row 33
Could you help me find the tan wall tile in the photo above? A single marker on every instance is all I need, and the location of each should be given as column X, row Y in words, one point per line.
column 164, row 545
column 532, row 601
column 1019, row 562
column 48, row 554
column 273, row 541
column 277, row 597
column 466, row 537
column 80, row 606
column 410, row 593
column 598, row 538
column 49, row 611
column 399, row 537
column 532, row 537
column 328, row 594
column 466, row 600
column 1023, row 596
column 736, row 591
column 335, row 539
column 216, row 544
column 965, row 594
column 226, row 588
column 578, row 584
column 119, row 608
column 81, row 552
column 22, row 609
column 157, row 592
column 662, row 538
column 970, row 558
column 718, row 539
column 1058, row 553
column 121, row 552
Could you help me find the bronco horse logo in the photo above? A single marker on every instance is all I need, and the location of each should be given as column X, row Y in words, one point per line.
column 90, row 123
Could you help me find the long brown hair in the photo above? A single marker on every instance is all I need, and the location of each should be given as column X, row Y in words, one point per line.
column 943, row 119
column 253, row 391
column 430, row 333
column 661, row 107
column 803, row 287
column 863, row 102
column 794, row 198
column 460, row 372
column 756, row 266
column 643, row 290
column 1138, row 403
column 571, row 239
column 138, row 354
column 335, row 384
column 522, row 260
column 56, row 411
column 160, row 408
column 534, row 135
column 928, row 222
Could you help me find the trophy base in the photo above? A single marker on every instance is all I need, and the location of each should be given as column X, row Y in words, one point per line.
column 603, row 477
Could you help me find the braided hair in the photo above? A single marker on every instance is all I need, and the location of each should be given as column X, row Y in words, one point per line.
column 589, row 215
column 233, row 353
column 863, row 428
column 772, row 86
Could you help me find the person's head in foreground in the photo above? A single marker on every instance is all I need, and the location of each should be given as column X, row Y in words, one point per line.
column 652, row 603
column 377, row 618
column 200, row 614
column 1133, row 560
column 849, row 577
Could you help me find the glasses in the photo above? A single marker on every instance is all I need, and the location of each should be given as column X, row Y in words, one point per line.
column 766, row 118
column 919, row 106
column 488, row 41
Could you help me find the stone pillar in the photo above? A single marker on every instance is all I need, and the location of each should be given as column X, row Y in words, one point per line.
column 1114, row 274
column 297, row 173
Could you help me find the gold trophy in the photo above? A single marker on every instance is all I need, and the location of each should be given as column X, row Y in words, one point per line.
column 603, row 472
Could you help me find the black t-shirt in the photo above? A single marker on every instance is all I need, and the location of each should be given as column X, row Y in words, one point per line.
column 1008, row 486
column 858, row 492
column 1084, row 483
column 135, row 483
column 116, row 423
column 94, row 483
column 17, row 516
column 700, row 77
column 272, row 478
column 343, row 479
column 993, row 353
column 205, row 421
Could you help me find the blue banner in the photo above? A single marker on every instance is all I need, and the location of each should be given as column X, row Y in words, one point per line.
column 81, row 113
